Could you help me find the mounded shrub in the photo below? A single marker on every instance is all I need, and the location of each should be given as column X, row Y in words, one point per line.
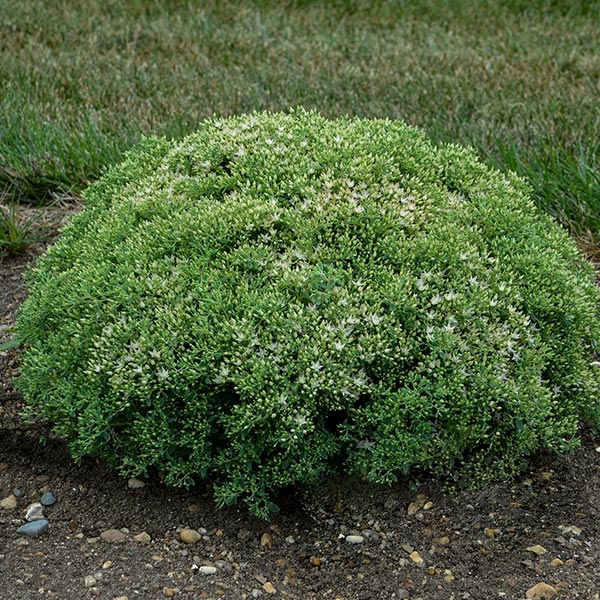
column 281, row 296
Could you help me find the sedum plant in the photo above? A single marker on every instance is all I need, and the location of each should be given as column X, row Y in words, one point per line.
column 281, row 296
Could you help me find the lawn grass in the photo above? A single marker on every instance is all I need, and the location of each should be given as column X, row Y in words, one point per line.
column 518, row 80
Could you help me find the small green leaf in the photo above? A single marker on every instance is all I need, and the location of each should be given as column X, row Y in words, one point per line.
column 15, row 343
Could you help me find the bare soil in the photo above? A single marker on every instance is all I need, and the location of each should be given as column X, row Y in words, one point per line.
column 470, row 545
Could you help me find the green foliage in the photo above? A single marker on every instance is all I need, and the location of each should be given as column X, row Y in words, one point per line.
column 17, row 231
column 280, row 296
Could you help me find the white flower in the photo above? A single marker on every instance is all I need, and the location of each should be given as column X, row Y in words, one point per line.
column 374, row 318
column 300, row 420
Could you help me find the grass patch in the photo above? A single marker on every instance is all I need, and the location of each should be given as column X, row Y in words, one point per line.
column 18, row 232
column 516, row 79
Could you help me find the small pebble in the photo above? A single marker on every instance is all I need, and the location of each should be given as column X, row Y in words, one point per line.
column 223, row 566
column 541, row 591
column 416, row 558
column 355, row 539
column 107, row 564
column 537, row 549
column 207, row 570
column 403, row 594
column 113, row 535
column 556, row 562
column 9, row 503
column 48, row 499
column 34, row 512
column 143, row 537
column 135, row 484
column 17, row 493
column 34, row 528
column 269, row 588
column 190, row 536
column 89, row 581
column 370, row 536
column 413, row 508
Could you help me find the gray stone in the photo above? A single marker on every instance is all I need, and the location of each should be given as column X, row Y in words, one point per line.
column 370, row 536
column 223, row 566
column 34, row 528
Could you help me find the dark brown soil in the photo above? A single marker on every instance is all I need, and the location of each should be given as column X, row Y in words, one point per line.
column 472, row 545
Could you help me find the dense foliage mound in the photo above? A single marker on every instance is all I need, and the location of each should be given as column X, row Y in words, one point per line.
column 280, row 296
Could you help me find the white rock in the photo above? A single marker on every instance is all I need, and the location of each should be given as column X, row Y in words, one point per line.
column 355, row 539
column 207, row 570
column 34, row 512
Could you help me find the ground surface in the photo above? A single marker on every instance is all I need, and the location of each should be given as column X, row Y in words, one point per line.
column 419, row 543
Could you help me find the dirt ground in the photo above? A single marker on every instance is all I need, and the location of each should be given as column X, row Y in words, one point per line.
column 348, row 540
